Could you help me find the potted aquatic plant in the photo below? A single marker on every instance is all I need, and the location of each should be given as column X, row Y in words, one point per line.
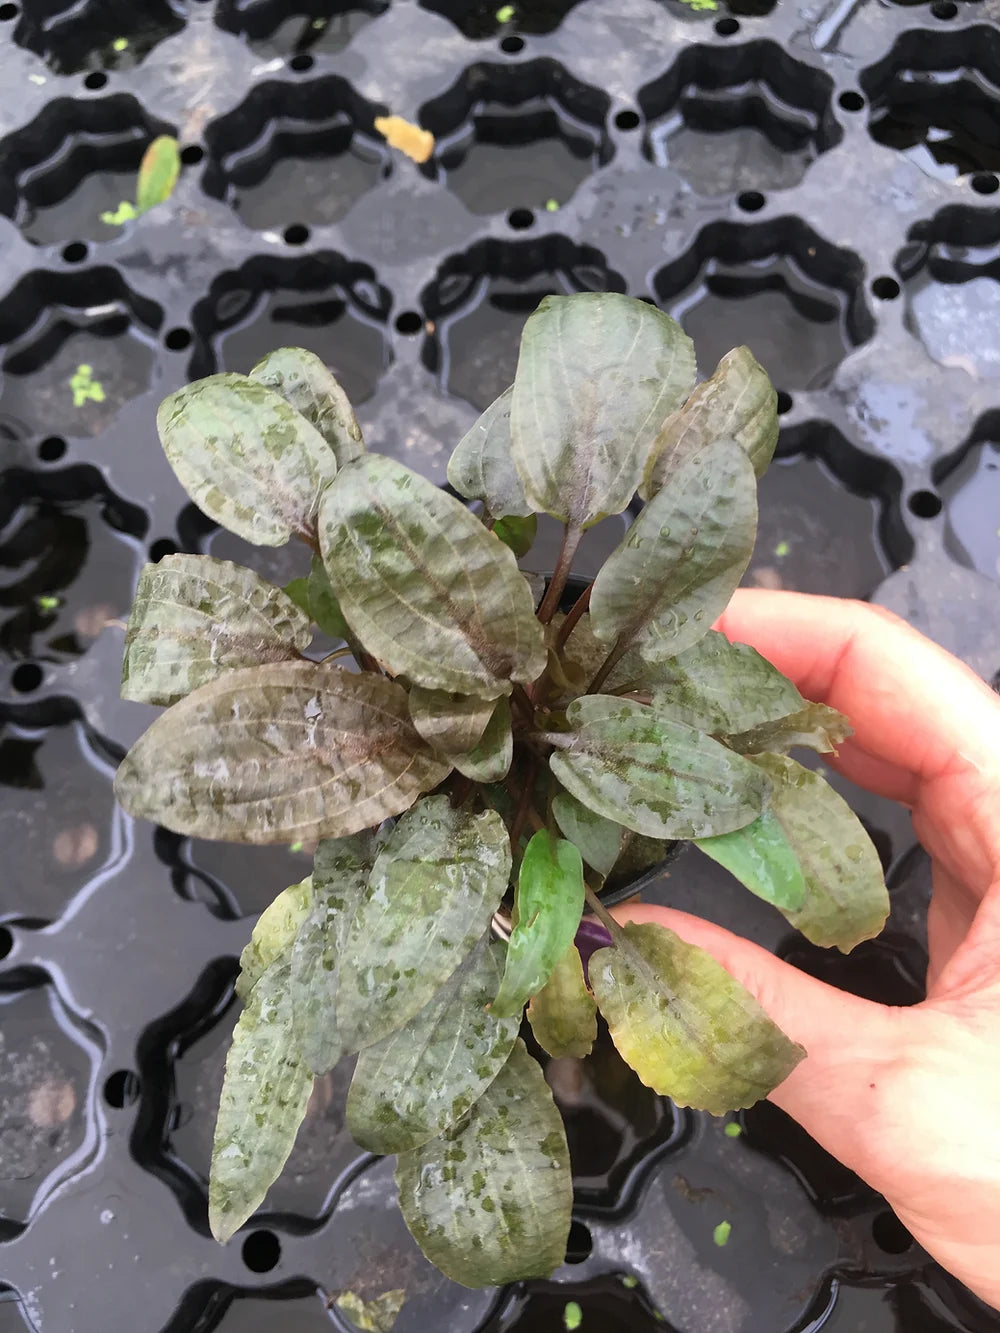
column 480, row 758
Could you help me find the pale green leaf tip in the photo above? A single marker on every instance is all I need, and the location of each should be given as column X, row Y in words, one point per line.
column 722, row 1233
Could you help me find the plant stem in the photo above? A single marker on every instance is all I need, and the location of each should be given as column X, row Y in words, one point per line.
column 564, row 563
column 525, row 806
column 346, row 651
column 607, row 666
column 521, row 697
column 601, row 912
column 576, row 611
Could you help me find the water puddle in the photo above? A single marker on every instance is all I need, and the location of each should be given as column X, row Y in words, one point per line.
column 614, row 1303
column 109, row 36
column 74, row 368
column 760, row 130
column 613, row 1122
column 971, row 495
column 57, row 817
column 64, row 175
column 956, row 321
column 479, row 307
column 796, row 327
column 319, row 28
column 518, row 140
column 484, row 18
column 325, row 304
column 814, row 535
column 943, row 120
column 323, row 1148
column 68, row 566
column 45, row 1074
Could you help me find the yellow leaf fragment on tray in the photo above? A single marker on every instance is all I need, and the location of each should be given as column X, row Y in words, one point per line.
column 409, row 139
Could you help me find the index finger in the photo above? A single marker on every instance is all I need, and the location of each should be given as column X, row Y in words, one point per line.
column 918, row 713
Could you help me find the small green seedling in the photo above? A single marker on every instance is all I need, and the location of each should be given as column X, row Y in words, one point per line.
column 552, row 205
column 572, row 1316
column 505, row 13
column 490, row 745
column 120, row 44
column 722, row 1233
column 630, row 1281
column 84, row 387
column 732, row 1130
column 47, row 603
column 158, row 172
column 782, row 549
column 699, row 5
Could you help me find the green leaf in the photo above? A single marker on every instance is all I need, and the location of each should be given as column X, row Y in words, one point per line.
column 323, row 604
column 682, row 558
column 274, row 934
column 489, row 1200
column 656, row 776
column 264, row 1097
column 846, row 899
column 548, row 904
column 722, row 687
column 572, row 1316
column 279, row 753
column 517, row 533
column 298, row 591
column 306, row 384
column 563, row 1014
column 599, row 839
column 158, row 172
column 737, row 403
column 597, row 375
column 195, row 618
column 490, row 759
column 377, row 1315
column 813, row 726
column 425, row 587
column 721, row 1233
column 430, row 896
column 762, row 858
column 417, row 1082
column 685, row 1026
column 245, row 457
column 340, row 875
column 481, row 468
column 452, row 723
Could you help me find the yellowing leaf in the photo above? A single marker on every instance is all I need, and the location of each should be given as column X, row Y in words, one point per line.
column 563, row 1015
column 158, row 172
column 410, row 139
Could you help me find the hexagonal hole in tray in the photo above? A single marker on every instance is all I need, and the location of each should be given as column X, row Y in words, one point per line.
column 332, row 305
column 47, row 1064
column 96, row 35
column 478, row 302
column 950, row 269
column 476, row 19
column 58, row 819
column 299, row 31
column 75, row 347
column 69, row 559
column 296, row 154
column 793, row 298
column 517, row 138
column 747, row 118
column 63, row 176
column 968, row 487
column 936, row 98
column 829, row 518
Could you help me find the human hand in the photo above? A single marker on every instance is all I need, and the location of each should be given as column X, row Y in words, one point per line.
column 909, row 1098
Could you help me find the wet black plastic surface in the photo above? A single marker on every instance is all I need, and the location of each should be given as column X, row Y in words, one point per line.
column 817, row 179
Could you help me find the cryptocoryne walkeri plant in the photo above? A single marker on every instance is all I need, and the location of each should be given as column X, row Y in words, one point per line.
column 479, row 757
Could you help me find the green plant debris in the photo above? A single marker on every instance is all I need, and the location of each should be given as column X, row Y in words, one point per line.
column 46, row 602
column 505, row 13
column 630, row 1281
column 319, row 24
column 374, row 1316
column 84, row 387
column 552, row 205
column 120, row 44
column 572, row 1316
column 125, row 212
column 722, row 1233
column 698, row 5
column 782, row 549
column 732, row 1130
column 158, row 172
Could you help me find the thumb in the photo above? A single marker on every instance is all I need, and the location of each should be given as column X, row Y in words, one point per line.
column 834, row 1093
